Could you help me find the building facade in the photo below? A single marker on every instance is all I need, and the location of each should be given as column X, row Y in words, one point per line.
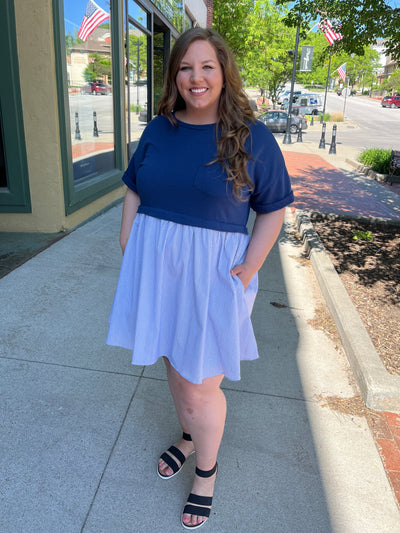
column 71, row 109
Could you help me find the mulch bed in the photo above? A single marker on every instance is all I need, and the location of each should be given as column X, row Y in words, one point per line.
column 369, row 268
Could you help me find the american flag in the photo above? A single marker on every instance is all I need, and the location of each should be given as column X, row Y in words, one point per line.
column 93, row 17
column 327, row 29
column 342, row 71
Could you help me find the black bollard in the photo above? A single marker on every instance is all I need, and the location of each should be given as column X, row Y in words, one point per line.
column 300, row 135
column 312, row 119
column 95, row 130
column 322, row 141
column 332, row 149
column 77, row 131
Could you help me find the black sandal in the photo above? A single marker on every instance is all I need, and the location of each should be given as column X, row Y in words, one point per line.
column 203, row 504
column 171, row 462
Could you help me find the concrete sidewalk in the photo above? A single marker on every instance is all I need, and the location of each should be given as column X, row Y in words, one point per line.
column 82, row 429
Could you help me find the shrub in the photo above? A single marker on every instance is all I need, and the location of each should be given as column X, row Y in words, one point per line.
column 376, row 158
column 327, row 117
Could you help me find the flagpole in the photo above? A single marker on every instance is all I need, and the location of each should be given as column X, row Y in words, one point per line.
column 316, row 24
column 345, row 97
column 326, row 88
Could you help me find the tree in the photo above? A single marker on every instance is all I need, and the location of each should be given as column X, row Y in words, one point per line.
column 99, row 67
column 230, row 20
column 361, row 22
column 392, row 83
column 259, row 41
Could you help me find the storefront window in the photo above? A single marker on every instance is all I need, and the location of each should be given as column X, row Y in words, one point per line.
column 188, row 22
column 173, row 10
column 90, row 87
column 138, row 14
column 137, row 84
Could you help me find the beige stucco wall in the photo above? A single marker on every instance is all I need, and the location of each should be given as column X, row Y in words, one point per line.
column 36, row 57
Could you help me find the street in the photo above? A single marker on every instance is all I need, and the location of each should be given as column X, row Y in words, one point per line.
column 378, row 127
column 86, row 104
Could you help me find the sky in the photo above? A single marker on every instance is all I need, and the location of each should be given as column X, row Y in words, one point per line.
column 74, row 11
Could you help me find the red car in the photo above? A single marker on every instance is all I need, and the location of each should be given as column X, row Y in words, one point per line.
column 96, row 88
column 390, row 101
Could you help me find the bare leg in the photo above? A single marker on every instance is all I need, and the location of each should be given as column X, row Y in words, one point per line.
column 201, row 411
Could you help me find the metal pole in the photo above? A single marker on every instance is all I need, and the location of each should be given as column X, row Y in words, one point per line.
column 322, row 141
column 287, row 138
column 77, row 130
column 332, row 149
column 326, row 88
column 299, row 134
column 95, row 129
column 137, row 81
column 345, row 97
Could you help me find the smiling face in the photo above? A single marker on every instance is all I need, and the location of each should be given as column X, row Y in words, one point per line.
column 200, row 81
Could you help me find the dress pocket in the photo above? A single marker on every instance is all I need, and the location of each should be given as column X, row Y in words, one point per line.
column 248, row 295
column 211, row 179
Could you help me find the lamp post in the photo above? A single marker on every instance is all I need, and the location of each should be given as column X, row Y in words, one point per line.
column 287, row 138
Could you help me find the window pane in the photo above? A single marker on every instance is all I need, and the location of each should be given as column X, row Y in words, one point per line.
column 136, row 81
column 173, row 10
column 89, row 74
column 188, row 22
column 137, row 13
column 3, row 175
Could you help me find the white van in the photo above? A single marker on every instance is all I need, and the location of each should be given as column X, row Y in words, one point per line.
column 305, row 104
column 284, row 96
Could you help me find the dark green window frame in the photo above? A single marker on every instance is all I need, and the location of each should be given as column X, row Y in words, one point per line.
column 77, row 196
column 15, row 198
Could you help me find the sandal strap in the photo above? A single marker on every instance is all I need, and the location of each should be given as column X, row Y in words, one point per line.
column 197, row 511
column 170, row 460
column 206, row 473
column 199, row 500
column 186, row 436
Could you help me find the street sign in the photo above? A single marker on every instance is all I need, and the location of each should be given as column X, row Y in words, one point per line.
column 346, row 92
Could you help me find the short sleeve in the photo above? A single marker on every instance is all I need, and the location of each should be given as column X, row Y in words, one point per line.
column 272, row 187
column 130, row 174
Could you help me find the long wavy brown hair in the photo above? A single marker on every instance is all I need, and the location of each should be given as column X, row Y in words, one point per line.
column 234, row 110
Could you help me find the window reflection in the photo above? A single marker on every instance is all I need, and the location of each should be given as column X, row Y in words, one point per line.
column 173, row 10
column 89, row 75
column 138, row 14
column 136, row 74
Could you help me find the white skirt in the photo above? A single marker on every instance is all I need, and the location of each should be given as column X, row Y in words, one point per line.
column 176, row 298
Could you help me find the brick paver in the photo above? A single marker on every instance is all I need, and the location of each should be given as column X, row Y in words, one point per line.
column 319, row 186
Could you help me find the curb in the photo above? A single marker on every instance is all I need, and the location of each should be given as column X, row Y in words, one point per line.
column 371, row 173
column 380, row 390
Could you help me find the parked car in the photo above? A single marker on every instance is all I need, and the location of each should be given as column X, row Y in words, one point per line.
column 305, row 104
column 276, row 121
column 143, row 115
column 390, row 101
column 96, row 88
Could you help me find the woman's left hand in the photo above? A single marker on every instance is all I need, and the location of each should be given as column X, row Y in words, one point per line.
column 244, row 273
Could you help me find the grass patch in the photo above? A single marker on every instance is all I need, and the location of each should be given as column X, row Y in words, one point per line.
column 337, row 116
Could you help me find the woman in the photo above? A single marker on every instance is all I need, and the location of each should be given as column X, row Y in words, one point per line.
column 189, row 273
